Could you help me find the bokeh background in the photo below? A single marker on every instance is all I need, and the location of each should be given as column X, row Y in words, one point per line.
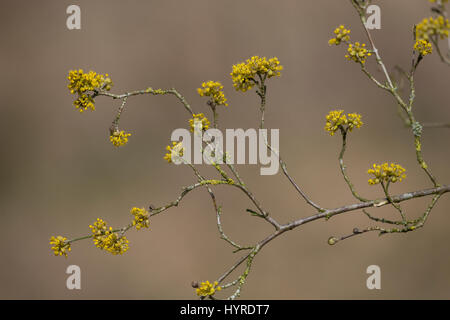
column 59, row 172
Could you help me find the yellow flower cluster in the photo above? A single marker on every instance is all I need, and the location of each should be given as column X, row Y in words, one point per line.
column 336, row 119
column 81, row 82
column 244, row 74
column 60, row 246
column 106, row 239
column 199, row 122
column 423, row 47
column 354, row 120
column 175, row 150
column 342, row 35
column 119, row 138
column 442, row 1
column 386, row 173
column 140, row 218
column 84, row 102
column 357, row 52
column 207, row 289
column 213, row 89
column 432, row 27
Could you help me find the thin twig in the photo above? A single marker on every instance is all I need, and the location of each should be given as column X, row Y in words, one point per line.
column 343, row 167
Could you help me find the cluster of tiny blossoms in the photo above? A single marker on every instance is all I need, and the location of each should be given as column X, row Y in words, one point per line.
column 199, row 122
column 60, row 246
column 386, row 173
column 357, row 52
column 105, row 239
column 341, row 35
column 119, row 138
column 213, row 89
column 174, row 151
column 423, row 47
column 208, row 289
column 336, row 119
column 80, row 83
column 244, row 75
column 432, row 27
column 140, row 218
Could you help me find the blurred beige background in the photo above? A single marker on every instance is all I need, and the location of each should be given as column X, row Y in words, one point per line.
column 59, row 172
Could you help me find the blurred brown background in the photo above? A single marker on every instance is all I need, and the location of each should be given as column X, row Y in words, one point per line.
column 59, row 172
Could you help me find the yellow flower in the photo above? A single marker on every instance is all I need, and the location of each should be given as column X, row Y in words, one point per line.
column 354, row 121
column 84, row 102
column 105, row 239
column 119, row 138
column 386, row 173
column 442, row 1
column 245, row 74
column 213, row 89
column 357, row 52
column 113, row 243
column 99, row 227
column 429, row 27
column 140, row 218
column 207, row 289
column 342, row 35
column 423, row 47
column 199, row 122
column 174, row 151
column 81, row 82
column 60, row 246
column 337, row 119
